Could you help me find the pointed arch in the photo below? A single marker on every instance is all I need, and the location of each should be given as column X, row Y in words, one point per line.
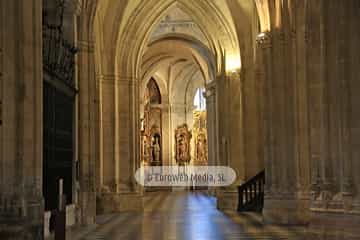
column 148, row 14
column 153, row 92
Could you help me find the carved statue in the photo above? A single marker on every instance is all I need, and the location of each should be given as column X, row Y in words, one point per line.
column 182, row 147
column 201, row 148
column 156, row 151
column 200, row 135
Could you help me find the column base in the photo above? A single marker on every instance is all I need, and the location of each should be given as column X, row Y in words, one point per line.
column 286, row 211
column 88, row 208
column 227, row 200
column 120, row 202
column 334, row 226
column 19, row 229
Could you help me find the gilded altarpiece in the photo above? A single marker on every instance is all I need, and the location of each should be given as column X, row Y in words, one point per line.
column 151, row 127
column 199, row 133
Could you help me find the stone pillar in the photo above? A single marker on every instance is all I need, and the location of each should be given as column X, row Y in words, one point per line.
column 123, row 156
column 88, row 120
column 263, row 72
column 88, row 137
column 302, row 151
column 211, row 123
column 21, row 203
column 230, row 116
column 279, row 52
column 166, row 147
column 318, row 87
column 210, row 95
column 129, row 143
column 332, row 42
column 345, row 25
column 109, row 128
column 352, row 169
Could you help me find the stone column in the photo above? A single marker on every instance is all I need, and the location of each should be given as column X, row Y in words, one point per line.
column 354, row 36
column 88, row 120
column 318, row 88
column 129, row 143
column 264, row 49
column 345, row 24
column 211, row 123
column 124, row 155
column 334, row 208
column 210, row 96
column 279, row 52
column 302, row 153
column 21, row 203
column 166, row 147
column 2, row 166
column 229, row 92
column 109, row 127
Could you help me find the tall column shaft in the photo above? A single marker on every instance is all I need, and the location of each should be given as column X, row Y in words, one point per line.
column 88, row 120
column 211, row 123
column 21, row 203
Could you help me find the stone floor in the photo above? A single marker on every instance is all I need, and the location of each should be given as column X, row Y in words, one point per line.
column 183, row 216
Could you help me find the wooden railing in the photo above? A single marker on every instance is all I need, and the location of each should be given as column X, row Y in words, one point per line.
column 251, row 194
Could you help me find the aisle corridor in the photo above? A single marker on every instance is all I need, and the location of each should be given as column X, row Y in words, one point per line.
column 184, row 216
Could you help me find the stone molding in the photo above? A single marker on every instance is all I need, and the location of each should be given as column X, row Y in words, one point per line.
column 116, row 79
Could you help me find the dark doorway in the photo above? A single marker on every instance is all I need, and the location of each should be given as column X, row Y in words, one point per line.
column 58, row 144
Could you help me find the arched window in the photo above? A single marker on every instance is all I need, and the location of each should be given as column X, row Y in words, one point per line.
column 199, row 100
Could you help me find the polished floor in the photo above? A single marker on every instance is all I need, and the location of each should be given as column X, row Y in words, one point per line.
column 184, row 216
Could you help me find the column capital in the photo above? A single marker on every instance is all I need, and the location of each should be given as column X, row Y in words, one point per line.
column 85, row 46
column 264, row 40
column 210, row 89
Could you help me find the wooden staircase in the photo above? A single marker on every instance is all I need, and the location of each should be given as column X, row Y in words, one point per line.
column 251, row 194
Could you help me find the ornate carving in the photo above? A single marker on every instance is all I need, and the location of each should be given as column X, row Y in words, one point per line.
column 151, row 126
column 182, row 145
column 200, row 136
column 201, row 150
column 264, row 40
column 210, row 90
column 156, row 151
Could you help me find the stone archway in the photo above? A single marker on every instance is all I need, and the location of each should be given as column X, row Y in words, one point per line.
column 118, row 74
